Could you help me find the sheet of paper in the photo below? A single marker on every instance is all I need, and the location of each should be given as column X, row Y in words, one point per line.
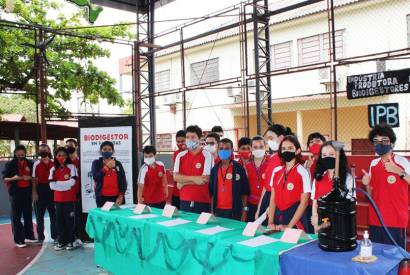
column 107, row 206
column 213, row 230
column 261, row 218
column 144, row 216
column 174, row 222
column 204, row 218
column 292, row 235
column 169, row 211
column 258, row 241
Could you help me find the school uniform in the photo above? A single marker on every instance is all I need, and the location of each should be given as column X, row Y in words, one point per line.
column 226, row 188
column 79, row 229
column 152, row 180
column 63, row 182
column 175, row 191
column 20, row 198
column 109, row 182
column 325, row 184
column 288, row 188
column 41, row 171
column 194, row 198
column 311, row 170
column 256, row 184
column 390, row 194
column 273, row 162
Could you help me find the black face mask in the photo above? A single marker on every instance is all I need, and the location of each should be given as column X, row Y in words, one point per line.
column 288, row 156
column 43, row 154
column 70, row 150
column 329, row 163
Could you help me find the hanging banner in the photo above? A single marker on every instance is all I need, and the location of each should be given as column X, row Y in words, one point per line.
column 90, row 140
column 378, row 84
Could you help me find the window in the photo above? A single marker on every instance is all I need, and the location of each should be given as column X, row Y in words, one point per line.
column 205, row 71
column 408, row 30
column 281, row 55
column 162, row 80
column 315, row 49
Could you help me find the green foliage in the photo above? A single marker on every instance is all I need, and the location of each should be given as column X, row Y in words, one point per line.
column 17, row 104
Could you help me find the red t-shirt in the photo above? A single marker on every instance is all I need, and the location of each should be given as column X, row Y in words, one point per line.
column 256, row 179
column 189, row 164
column 110, row 182
column 390, row 193
column 288, row 188
column 175, row 191
column 273, row 162
column 41, row 171
column 76, row 162
column 64, row 173
column 224, row 199
column 151, row 178
column 24, row 170
column 325, row 184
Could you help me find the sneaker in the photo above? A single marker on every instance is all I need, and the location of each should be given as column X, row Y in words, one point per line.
column 31, row 240
column 78, row 243
column 21, row 244
column 70, row 246
column 60, row 247
column 55, row 241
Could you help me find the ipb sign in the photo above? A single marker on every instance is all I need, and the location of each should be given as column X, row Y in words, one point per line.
column 384, row 113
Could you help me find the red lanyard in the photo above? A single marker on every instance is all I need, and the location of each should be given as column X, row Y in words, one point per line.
column 258, row 171
column 286, row 174
column 224, row 176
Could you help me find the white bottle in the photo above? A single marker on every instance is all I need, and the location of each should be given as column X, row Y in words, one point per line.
column 366, row 247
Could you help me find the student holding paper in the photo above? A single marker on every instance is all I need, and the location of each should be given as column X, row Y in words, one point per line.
column 228, row 186
column 152, row 180
column 191, row 170
column 63, row 181
column 290, row 189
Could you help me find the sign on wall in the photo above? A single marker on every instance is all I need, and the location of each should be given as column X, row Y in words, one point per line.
column 378, row 84
column 387, row 113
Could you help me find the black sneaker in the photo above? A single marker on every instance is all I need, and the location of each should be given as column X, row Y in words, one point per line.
column 60, row 246
column 21, row 244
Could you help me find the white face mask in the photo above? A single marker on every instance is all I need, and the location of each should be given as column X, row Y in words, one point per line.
column 273, row 145
column 149, row 161
column 210, row 148
column 259, row 153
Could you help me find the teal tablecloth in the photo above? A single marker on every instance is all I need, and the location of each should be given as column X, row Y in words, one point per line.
column 124, row 245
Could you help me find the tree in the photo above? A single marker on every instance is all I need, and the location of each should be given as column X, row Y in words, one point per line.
column 70, row 58
column 17, row 104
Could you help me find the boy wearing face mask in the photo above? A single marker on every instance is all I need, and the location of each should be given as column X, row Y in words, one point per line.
column 109, row 176
column 42, row 193
column 256, row 169
column 228, row 186
column 314, row 143
column 17, row 177
column 152, row 181
column 191, row 170
column 211, row 141
column 291, row 188
column 323, row 176
column 180, row 140
column 387, row 181
column 63, row 182
column 244, row 150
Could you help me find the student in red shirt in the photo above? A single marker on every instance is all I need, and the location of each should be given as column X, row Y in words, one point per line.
column 256, row 169
column 228, row 186
column 218, row 130
column 211, row 141
column 109, row 176
column 63, row 181
column 71, row 146
column 323, row 176
column 191, row 170
column 290, row 189
column 180, row 140
column 152, row 180
column 244, row 150
column 387, row 181
column 42, row 194
column 17, row 177
column 314, row 143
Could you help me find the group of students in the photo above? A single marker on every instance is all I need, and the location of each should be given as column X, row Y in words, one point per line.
column 269, row 175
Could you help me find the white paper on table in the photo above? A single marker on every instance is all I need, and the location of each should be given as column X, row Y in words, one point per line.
column 174, row 222
column 258, row 241
column 213, row 230
column 144, row 216
column 261, row 218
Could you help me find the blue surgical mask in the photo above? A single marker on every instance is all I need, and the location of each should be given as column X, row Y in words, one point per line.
column 382, row 149
column 224, row 154
column 192, row 144
column 106, row 155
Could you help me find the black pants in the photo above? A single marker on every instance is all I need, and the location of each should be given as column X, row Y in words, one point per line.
column 45, row 202
column 252, row 212
column 65, row 212
column 159, row 205
column 21, row 206
column 265, row 205
column 195, row 207
column 101, row 200
column 378, row 235
column 227, row 213
column 175, row 201
column 285, row 216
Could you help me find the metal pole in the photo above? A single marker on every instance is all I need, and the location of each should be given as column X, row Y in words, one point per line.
column 41, row 88
column 256, row 56
column 333, row 78
column 151, row 72
column 183, row 79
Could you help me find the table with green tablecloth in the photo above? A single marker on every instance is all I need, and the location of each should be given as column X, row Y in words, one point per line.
column 124, row 245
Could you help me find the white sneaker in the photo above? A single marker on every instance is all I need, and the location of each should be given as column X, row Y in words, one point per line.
column 21, row 245
column 78, row 243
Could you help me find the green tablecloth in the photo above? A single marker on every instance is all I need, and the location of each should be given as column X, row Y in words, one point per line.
column 123, row 245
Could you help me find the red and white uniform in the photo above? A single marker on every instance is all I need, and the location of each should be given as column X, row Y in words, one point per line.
column 256, row 179
column 63, row 182
column 41, row 171
column 152, row 179
column 273, row 162
column 289, row 187
column 324, row 185
column 24, row 170
column 175, row 191
column 390, row 193
column 198, row 164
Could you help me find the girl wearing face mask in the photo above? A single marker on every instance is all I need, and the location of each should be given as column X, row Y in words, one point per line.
column 63, row 181
column 109, row 176
column 324, row 173
column 314, row 143
column 152, row 180
column 256, row 169
column 291, row 188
